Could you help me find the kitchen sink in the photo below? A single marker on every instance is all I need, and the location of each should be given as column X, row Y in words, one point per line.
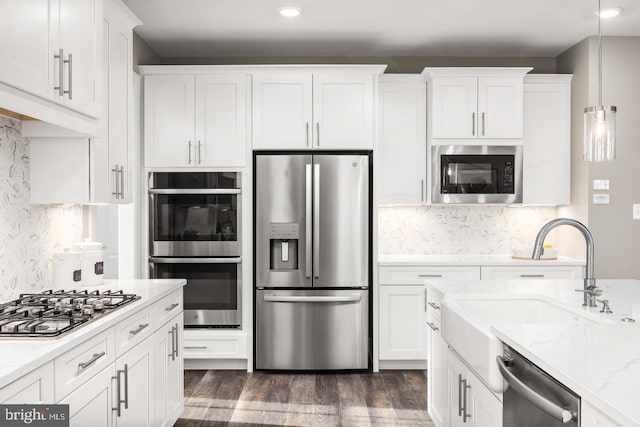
column 466, row 326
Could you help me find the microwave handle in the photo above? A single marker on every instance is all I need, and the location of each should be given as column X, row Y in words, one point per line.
column 171, row 260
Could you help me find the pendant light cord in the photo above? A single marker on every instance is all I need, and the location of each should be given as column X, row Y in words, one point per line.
column 599, row 56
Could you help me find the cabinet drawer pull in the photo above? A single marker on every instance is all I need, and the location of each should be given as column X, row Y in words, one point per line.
column 94, row 359
column 473, row 124
column 429, row 275
column 482, row 130
column 172, row 306
column 70, row 90
column 60, row 58
column 465, row 386
column 195, row 347
column 459, row 395
column 532, row 275
column 434, row 306
column 189, row 152
column 432, row 326
column 140, row 328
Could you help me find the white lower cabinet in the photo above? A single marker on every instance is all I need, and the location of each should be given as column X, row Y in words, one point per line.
column 470, row 401
column 35, row 387
column 592, row 417
column 91, row 404
column 168, row 372
column 437, row 402
column 402, row 322
column 135, row 381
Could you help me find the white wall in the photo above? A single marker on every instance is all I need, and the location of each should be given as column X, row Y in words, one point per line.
column 29, row 234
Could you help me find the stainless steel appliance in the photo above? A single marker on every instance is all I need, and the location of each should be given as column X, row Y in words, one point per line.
column 53, row 313
column 533, row 398
column 195, row 234
column 312, row 260
column 477, row 174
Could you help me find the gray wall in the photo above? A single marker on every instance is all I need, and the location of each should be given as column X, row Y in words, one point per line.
column 616, row 234
column 142, row 53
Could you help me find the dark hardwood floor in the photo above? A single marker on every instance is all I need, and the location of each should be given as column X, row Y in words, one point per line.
column 238, row 398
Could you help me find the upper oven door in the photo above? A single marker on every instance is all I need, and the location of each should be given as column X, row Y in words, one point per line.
column 477, row 174
column 194, row 221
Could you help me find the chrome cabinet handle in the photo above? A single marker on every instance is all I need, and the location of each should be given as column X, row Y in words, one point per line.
column 318, row 132
column 473, row 124
column 139, row 329
column 175, row 337
column 430, row 275
column 422, row 190
column 116, row 191
column 60, row 58
column 196, row 347
column 434, row 305
column 126, row 386
column 425, row 300
column 465, row 386
column 122, row 181
column 532, row 396
column 308, row 220
column 432, row 326
column 483, row 115
column 459, row 395
column 316, row 219
column 532, row 275
column 84, row 365
column 70, row 63
column 307, row 132
column 173, row 343
column 172, row 306
column 189, row 152
column 199, row 152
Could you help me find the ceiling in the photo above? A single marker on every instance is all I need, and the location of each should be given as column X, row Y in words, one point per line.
column 507, row 28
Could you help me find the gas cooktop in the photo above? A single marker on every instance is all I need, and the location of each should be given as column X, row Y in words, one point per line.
column 53, row 313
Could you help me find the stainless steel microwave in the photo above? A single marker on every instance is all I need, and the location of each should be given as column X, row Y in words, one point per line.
column 476, row 174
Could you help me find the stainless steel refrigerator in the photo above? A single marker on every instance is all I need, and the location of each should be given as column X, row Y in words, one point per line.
column 312, row 258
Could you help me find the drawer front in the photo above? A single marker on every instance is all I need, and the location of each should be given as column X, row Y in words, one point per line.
column 167, row 307
column 82, row 362
column 417, row 275
column 534, row 272
column 132, row 330
column 216, row 348
column 433, row 305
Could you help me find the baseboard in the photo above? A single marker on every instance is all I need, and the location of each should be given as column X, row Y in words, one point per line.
column 228, row 364
column 402, row 364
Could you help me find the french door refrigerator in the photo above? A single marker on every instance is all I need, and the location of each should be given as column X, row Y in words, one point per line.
column 312, row 255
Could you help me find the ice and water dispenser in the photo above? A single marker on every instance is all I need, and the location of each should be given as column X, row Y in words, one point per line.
column 284, row 246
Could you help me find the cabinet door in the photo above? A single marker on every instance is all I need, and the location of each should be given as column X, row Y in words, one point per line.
column 404, row 145
column 24, row 29
column 168, row 372
column 454, row 102
column 79, row 24
column 91, row 404
column 35, row 387
column 547, row 143
column 282, row 115
column 221, row 120
column 136, row 371
column 342, row 110
column 437, row 399
column 500, row 107
column 403, row 331
column 169, row 124
column 590, row 416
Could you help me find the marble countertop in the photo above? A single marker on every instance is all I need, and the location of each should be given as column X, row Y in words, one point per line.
column 21, row 356
column 599, row 362
column 504, row 260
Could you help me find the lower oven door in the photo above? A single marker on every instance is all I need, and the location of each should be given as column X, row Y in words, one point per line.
column 212, row 296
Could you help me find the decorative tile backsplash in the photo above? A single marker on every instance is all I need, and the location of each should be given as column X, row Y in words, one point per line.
column 29, row 234
column 459, row 230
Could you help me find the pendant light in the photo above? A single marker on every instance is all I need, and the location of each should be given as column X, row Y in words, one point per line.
column 599, row 120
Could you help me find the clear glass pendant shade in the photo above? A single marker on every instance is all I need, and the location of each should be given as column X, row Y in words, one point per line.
column 600, row 133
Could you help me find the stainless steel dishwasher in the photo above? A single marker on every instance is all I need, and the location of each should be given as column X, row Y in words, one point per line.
column 534, row 398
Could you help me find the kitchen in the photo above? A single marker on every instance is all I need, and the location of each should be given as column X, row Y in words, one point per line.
column 45, row 210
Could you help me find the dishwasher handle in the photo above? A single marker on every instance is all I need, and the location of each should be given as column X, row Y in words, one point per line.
column 532, row 396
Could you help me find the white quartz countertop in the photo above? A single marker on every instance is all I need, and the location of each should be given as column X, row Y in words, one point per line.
column 599, row 362
column 20, row 356
column 506, row 260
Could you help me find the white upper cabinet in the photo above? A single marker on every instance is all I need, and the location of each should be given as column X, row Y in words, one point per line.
column 402, row 129
column 324, row 108
column 195, row 119
column 547, row 140
column 475, row 103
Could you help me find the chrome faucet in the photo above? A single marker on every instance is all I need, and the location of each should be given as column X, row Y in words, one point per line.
column 590, row 290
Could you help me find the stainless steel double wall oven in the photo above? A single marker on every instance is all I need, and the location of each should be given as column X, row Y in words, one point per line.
column 195, row 234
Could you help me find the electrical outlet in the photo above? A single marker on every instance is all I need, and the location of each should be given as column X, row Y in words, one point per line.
column 600, row 184
column 601, row 199
column 636, row 211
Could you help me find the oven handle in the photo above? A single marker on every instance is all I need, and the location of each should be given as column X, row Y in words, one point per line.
column 348, row 298
column 195, row 191
column 167, row 260
column 536, row 399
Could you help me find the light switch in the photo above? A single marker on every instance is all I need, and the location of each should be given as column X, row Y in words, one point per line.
column 600, row 184
column 636, row 211
column 601, row 199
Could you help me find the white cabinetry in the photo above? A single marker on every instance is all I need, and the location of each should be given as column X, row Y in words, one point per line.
column 592, row 417
column 402, row 322
column 195, row 119
column 547, row 139
column 474, row 104
column 437, row 399
column 531, row 272
column 91, row 404
column 136, row 368
column 403, row 124
column 314, row 108
column 470, row 401
column 35, row 387
column 168, row 372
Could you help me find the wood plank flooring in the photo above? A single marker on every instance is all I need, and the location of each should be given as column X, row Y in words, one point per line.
column 238, row 398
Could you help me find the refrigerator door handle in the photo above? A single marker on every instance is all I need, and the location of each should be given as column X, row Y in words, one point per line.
column 308, row 221
column 316, row 220
column 312, row 298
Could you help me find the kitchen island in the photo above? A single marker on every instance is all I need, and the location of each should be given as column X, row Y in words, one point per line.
column 126, row 364
column 598, row 358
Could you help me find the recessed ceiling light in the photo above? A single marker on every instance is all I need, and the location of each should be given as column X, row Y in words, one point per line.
column 610, row 12
column 289, row 12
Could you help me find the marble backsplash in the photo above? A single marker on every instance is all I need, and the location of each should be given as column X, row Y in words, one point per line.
column 459, row 230
column 29, row 234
